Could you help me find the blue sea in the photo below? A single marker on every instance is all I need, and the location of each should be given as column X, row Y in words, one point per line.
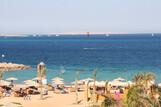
column 113, row 56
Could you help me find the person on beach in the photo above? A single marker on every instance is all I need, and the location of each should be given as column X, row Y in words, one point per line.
column 11, row 83
column 117, row 98
column 26, row 94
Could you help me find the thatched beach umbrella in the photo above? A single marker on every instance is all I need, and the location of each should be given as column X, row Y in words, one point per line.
column 57, row 78
column 86, row 80
column 119, row 82
column 78, row 82
column 58, row 82
column 97, row 83
column 159, row 84
column 36, row 78
column 19, row 86
column 31, row 83
column 4, row 83
column 11, row 79
column 120, row 79
column 26, row 81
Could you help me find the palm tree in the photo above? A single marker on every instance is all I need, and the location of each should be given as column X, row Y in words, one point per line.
column 137, row 98
column 94, row 87
column 138, row 95
column 108, row 102
column 1, row 75
column 106, row 88
column 155, row 95
column 41, row 72
column 144, row 79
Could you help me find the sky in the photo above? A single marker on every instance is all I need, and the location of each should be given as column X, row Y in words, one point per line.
column 65, row 16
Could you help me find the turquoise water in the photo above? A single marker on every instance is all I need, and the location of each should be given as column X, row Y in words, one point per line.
column 113, row 56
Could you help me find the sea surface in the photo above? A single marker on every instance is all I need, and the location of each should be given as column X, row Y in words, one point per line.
column 112, row 55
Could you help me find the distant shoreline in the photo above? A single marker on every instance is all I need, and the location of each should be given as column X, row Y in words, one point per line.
column 79, row 34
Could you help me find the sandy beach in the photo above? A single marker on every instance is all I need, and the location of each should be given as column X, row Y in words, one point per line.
column 52, row 99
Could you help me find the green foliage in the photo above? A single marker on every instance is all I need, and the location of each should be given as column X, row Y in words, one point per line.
column 155, row 90
column 159, row 100
column 137, row 98
column 144, row 78
column 108, row 102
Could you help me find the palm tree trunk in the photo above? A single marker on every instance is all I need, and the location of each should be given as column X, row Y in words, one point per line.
column 41, row 90
column 94, row 87
column 76, row 87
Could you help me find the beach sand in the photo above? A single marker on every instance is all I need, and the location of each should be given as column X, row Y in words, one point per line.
column 51, row 100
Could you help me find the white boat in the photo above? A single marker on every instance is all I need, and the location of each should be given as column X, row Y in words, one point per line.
column 2, row 55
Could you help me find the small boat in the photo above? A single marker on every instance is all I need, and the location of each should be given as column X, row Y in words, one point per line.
column 2, row 55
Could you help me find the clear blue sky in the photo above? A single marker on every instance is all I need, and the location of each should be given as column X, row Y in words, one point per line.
column 54, row 16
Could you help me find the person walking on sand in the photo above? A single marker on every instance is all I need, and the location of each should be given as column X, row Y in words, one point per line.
column 117, row 98
column 26, row 95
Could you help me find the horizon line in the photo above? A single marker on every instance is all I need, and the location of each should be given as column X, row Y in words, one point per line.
column 73, row 33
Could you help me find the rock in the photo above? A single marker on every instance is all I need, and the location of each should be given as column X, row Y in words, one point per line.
column 12, row 66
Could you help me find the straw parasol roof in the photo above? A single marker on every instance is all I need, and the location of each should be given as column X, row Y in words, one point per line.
column 120, row 82
column 57, row 78
column 79, row 82
column 36, row 78
column 59, row 82
column 98, row 83
column 18, row 86
column 12, row 66
column 31, row 83
column 159, row 84
column 119, row 79
column 4, row 83
column 11, row 78
column 86, row 80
